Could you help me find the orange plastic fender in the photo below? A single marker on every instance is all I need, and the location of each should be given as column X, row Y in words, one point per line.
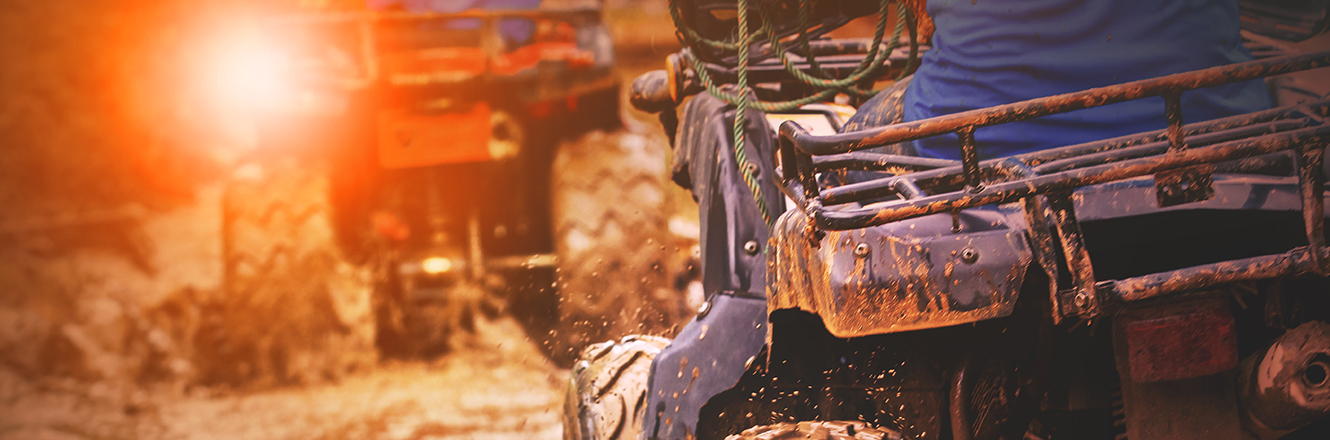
column 408, row 139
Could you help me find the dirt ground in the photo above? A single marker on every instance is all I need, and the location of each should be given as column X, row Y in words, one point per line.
column 497, row 387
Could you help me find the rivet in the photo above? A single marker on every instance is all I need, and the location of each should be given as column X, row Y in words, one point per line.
column 752, row 169
column 1082, row 299
column 969, row 255
column 750, row 247
column 862, row 250
column 704, row 309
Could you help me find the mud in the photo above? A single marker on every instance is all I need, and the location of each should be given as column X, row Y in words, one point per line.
column 497, row 386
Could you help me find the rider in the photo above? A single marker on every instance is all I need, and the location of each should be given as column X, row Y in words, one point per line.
column 989, row 52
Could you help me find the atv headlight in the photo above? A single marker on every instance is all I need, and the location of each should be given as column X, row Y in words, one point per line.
column 436, row 265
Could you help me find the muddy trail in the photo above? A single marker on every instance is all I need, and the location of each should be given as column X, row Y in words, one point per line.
column 496, row 385
column 294, row 360
column 118, row 316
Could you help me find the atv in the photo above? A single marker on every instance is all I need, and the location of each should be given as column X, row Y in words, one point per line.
column 1160, row 285
column 455, row 155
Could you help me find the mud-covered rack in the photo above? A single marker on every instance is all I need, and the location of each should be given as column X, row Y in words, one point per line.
column 1181, row 158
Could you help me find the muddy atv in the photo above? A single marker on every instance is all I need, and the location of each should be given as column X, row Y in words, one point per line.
column 1166, row 284
column 460, row 157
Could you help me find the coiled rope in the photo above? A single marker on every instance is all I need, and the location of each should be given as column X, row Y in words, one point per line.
column 818, row 78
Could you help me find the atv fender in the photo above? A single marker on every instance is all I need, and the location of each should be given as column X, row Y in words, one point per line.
column 907, row 275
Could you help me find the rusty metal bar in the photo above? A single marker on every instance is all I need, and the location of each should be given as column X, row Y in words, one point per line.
column 1173, row 114
column 1005, row 192
column 855, row 192
column 908, row 189
column 1073, row 248
column 1019, row 111
column 795, row 191
column 1295, row 262
column 1161, row 147
column 953, row 175
column 969, row 158
column 1213, row 125
column 809, row 180
column 1311, row 183
column 1015, row 168
column 879, row 162
column 789, row 168
column 793, row 167
column 1044, row 248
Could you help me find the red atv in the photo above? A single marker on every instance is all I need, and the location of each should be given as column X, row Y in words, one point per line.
column 441, row 137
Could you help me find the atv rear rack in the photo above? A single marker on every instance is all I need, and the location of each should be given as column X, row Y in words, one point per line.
column 364, row 26
column 1181, row 158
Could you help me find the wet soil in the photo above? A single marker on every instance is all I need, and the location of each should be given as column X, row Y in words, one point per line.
column 496, row 386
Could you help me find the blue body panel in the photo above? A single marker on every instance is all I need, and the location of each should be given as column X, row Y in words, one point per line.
column 716, row 345
column 707, row 357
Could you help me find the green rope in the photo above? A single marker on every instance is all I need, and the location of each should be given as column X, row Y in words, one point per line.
column 906, row 15
column 741, row 120
column 819, row 79
column 870, row 63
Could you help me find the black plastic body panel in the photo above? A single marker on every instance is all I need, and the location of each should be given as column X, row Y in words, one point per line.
column 709, row 354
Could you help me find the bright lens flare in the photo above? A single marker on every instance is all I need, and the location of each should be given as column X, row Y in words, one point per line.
column 436, row 265
column 248, row 73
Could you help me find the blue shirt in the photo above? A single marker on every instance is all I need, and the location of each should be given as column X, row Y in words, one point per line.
column 993, row 52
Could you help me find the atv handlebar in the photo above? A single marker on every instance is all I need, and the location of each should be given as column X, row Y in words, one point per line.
column 652, row 92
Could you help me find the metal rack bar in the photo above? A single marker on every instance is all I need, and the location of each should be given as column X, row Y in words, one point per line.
column 1010, row 191
column 1180, row 157
column 806, row 143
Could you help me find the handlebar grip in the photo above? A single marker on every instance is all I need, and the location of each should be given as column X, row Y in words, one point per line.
column 651, row 92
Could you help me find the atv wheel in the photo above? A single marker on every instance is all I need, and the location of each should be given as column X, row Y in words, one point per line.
column 294, row 309
column 607, row 393
column 408, row 329
column 391, row 336
column 611, row 236
column 836, row 430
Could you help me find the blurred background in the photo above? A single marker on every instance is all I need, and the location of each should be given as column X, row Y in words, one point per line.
column 172, row 266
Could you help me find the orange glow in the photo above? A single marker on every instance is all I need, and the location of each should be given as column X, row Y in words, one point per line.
column 408, row 139
column 443, row 63
column 247, row 72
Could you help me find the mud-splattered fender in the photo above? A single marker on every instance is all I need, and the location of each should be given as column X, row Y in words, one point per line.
column 707, row 357
column 908, row 275
column 709, row 354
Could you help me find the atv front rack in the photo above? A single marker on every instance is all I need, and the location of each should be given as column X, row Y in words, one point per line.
column 1181, row 158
